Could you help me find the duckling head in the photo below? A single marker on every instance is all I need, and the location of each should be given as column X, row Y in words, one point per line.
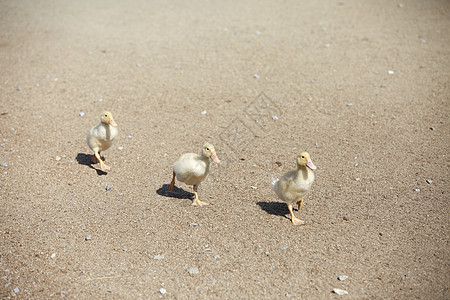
column 107, row 118
column 209, row 151
column 304, row 159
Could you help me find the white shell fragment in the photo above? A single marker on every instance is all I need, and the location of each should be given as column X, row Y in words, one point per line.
column 339, row 291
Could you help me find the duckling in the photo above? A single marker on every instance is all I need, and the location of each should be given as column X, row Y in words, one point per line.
column 294, row 185
column 192, row 169
column 101, row 137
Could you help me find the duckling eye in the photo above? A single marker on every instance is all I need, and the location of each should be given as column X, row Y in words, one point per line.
column 303, row 156
column 207, row 149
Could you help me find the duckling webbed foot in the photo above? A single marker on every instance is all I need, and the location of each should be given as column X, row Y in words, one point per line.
column 103, row 166
column 294, row 219
column 297, row 221
column 196, row 201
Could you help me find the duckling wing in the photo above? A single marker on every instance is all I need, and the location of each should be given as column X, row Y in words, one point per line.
column 287, row 188
column 101, row 137
column 94, row 138
column 190, row 169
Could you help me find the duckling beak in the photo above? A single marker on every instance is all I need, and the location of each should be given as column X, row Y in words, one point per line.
column 311, row 165
column 215, row 158
column 112, row 122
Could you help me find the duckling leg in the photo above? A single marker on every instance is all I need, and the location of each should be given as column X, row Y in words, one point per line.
column 294, row 220
column 196, row 201
column 172, row 184
column 103, row 166
column 299, row 203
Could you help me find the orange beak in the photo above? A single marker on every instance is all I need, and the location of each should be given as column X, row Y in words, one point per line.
column 215, row 158
column 311, row 165
column 112, row 122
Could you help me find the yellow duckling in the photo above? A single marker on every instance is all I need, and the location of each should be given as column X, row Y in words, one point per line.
column 101, row 137
column 294, row 185
column 192, row 169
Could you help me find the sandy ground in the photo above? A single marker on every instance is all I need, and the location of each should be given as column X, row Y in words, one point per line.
column 178, row 73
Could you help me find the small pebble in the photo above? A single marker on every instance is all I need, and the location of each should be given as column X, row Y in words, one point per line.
column 216, row 256
column 120, row 148
column 267, row 253
column 390, row 72
column 431, row 128
column 192, row 270
column 416, row 190
column 340, row 292
column 283, row 248
column 18, row 89
column 193, row 224
column 53, row 255
column 4, row 165
column 162, row 291
column 129, row 136
column 159, row 256
column 349, row 104
column 81, row 114
column 16, row 290
column 429, row 181
column 254, row 187
column 100, row 100
column 310, row 98
column 287, row 295
column 203, row 112
column 138, row 65
column 342, row 277
column 275, row 118
column 57, row 158
column 357, row 179
column 88, row 238
column 382, row 86
column 257, row 32
column 357, row 164
column 5, row 140
column 108, row 187
column 256, row 76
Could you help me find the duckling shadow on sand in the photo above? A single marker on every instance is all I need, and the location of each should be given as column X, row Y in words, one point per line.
column 274, row 208
column 85, row 159
column 176, row 193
